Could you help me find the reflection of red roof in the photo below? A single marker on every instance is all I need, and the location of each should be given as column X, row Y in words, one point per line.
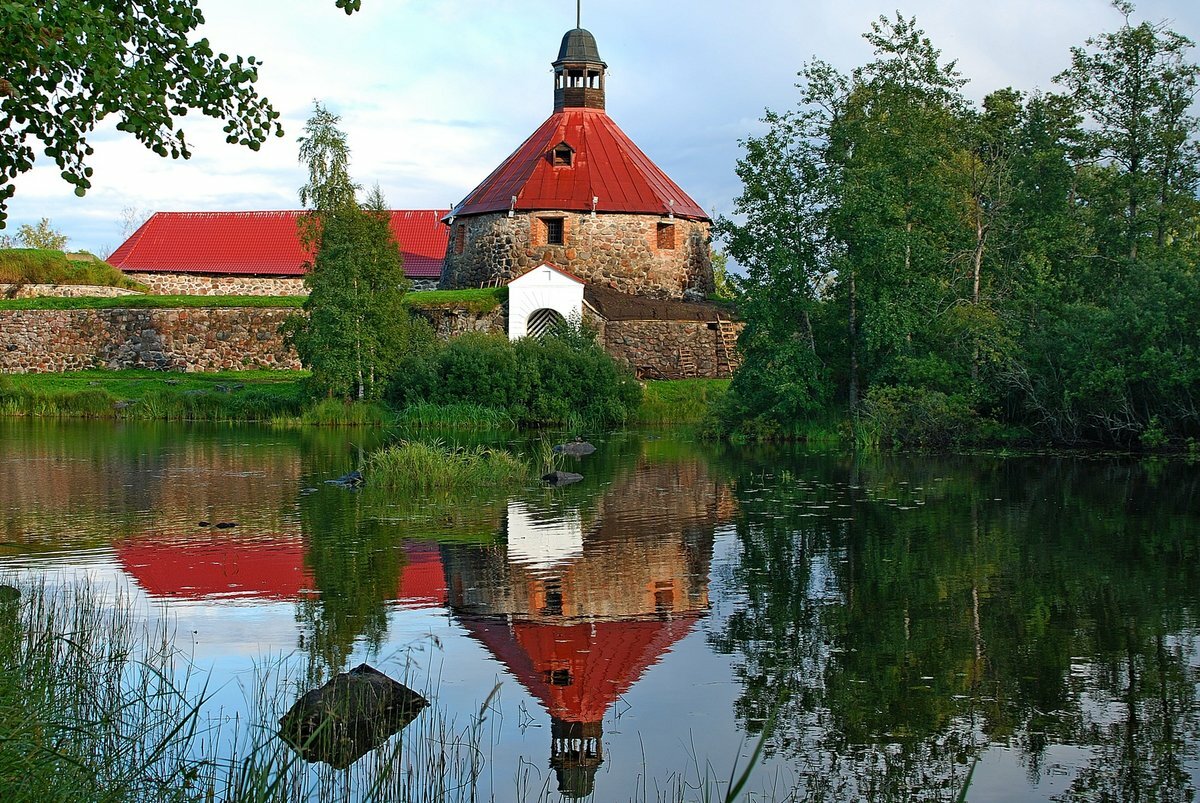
column 606, row 165
column 261, row 243
column 604, row 659
column 260, row 568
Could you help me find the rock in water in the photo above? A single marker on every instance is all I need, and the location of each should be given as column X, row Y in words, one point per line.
column 349, row 716
column 576, row 448
column 557, row 478
column 351, row 480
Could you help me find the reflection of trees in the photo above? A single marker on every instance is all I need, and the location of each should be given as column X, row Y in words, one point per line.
column 356, row 563
column 895, row 643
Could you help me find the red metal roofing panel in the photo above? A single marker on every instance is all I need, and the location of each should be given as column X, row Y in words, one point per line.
column 607, row 165
column 262, row 243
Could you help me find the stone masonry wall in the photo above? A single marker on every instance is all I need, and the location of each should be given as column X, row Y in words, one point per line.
column 667, row 349
column 194, row 284
column 216, row 339
column 63, row 291
column 618, row 251
column 40, row 341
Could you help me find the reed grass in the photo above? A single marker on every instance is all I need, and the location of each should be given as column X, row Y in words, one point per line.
column 427, row 415
column 679, row 401
column 414, row 466
column 97, row 703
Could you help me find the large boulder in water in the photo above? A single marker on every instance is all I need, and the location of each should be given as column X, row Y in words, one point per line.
column 576, row 448
column 561, row 478
column 349, row 716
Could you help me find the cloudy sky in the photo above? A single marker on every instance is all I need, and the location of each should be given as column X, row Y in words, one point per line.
column 435, row 93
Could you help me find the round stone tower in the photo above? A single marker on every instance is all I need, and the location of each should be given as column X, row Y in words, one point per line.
column 580, row 195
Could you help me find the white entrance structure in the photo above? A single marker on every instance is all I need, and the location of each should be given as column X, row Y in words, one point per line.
column 539, row 299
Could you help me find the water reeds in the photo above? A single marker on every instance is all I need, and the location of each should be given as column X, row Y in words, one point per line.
column 464, row 416
column 98, row 703
column 436, row 466
column 680, row 401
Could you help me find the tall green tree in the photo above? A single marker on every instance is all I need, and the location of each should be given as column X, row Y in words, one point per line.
column 355, row 328
column 1136, row 87
column 67, row 65
column 783, row 243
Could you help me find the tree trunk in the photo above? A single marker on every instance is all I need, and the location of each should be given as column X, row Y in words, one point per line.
column 853, row 347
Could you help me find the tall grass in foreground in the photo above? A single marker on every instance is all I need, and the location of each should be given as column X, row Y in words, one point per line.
column 97, row 703
column 436, row 466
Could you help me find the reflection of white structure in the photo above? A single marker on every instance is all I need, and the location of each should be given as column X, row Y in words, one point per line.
column 543, row 544
column 540, row 298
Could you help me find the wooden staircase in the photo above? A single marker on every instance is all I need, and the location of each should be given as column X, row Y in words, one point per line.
column 727, row 354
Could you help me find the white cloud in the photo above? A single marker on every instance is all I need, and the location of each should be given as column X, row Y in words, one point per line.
column 434, row 95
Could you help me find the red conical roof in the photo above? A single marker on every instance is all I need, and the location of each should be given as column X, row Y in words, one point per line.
column 605, row 165
column 603, row 659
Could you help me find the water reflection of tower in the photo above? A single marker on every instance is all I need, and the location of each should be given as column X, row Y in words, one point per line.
column 578, row 607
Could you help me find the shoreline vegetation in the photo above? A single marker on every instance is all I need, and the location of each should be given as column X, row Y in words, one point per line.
column 278, row 398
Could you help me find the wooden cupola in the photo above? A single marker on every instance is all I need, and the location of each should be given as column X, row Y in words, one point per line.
column 579, row 73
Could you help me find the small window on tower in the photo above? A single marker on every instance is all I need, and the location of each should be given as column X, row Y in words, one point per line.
column 460, row 238
column 554, row 230
column 564, row 155
column 666, row 237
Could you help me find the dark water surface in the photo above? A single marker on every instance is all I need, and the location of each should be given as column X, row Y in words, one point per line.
column 907, row 623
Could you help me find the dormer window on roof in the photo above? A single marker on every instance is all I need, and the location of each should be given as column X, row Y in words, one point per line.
column 563, row 155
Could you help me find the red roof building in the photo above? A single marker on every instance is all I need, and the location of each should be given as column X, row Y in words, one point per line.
column 261, row 244
column 606, row 166
column 579, row 193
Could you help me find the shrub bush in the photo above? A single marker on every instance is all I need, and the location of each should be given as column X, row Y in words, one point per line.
column 564, row 378
column 906, row 416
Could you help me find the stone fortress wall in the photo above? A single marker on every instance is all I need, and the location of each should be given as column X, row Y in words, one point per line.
column 219, row 339
column 209, row 339
column 627, row 253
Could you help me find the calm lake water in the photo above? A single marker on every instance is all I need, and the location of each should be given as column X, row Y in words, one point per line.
column 905, row 622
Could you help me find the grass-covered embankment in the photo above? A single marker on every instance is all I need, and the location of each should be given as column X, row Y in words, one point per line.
column 279, row 397
column 679, row 401
column 40, row 266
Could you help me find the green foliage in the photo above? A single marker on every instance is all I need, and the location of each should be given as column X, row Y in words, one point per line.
column 36, row 266
column 564, row 378
column 357, row 327
column 1005, row 264
column 68, row 65
column 42, row 236
column 900, row 415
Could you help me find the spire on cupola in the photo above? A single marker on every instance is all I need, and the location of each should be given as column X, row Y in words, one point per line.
column 579, row 71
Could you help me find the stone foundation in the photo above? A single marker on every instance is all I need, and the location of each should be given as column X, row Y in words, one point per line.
column 200, row 284
column 627, row 253
column 195, row 284
column 667, row 349
column 63, row 291
column 41, row 341
column 448, row 322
